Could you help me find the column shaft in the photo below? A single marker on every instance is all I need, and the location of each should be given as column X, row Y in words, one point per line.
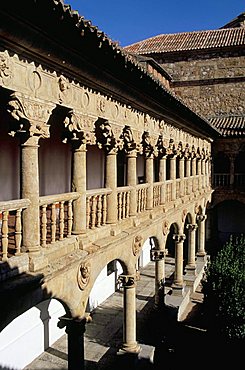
column 201, row 235
column 79, row 185
column 111, row 182
column 30, row 190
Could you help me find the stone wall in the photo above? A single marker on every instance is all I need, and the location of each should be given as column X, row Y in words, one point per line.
column 212, row 85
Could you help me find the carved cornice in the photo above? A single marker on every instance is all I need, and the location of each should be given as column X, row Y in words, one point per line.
column 83, row 275
column 32, row 115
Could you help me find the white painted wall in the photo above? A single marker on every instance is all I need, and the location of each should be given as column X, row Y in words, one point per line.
column 30, row 334
column 104, row 286
column 144, row 258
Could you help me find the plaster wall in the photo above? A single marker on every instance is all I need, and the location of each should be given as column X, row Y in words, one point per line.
column 30, row 334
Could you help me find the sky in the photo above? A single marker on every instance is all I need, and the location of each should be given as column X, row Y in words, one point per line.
column 129, row 21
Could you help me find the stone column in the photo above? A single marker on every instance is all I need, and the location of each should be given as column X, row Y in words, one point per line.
column 182, row 175
column 75, row 329
column 132, row 180
column 33, row 115
column 191, row 262
column 30, row 190
column 129, row 317
column 157, row 256
column 111, row 182
column 162, row 178
column 79, row 185
column 178, row 283
column 149, row 179
column 201, row 236
column 173, row 175
column 188, row 174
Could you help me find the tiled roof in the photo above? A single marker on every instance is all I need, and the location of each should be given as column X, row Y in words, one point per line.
column 196, row 40
column 229, row 125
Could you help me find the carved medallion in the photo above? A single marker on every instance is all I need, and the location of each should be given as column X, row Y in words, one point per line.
column 83, row 274
column 165, row 228
column 137, row 244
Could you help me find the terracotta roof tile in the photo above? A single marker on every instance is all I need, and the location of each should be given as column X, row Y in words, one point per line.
column 195, row 40
column 229, row 125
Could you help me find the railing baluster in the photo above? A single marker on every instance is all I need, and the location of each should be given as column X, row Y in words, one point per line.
column 53, row 223
column 99, row 211
column 88, row 212
column 119, row 206
column 44, row 225
column 93, row 212
column 70, row 218
column 5, row 236
column 18, row 231
column 61, row 219
column 104, row 209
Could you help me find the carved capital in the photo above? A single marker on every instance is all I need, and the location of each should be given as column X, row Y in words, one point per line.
column 104, row 136
column 157, row 254
column 128, row 141
column 148, row 148
column 83, row 274
column 179, row 238
column 32, row 115
column 160, row 147
column 191, row 227
column 74, row 128
column 127, row 281
column 137, row 244
column 201, row 218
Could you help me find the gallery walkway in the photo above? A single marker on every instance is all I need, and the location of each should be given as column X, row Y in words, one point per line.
column 156, row 333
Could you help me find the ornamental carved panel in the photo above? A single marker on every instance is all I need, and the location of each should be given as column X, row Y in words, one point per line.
column 83, row 275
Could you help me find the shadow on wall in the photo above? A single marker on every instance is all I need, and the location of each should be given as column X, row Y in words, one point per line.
column 27, row 314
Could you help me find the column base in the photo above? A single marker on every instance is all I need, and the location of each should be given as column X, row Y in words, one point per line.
column 178, row 289
column 190, row 270
column 201, row 256
column 130, row 348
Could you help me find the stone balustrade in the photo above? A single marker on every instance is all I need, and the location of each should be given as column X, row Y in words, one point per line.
column 96, row 207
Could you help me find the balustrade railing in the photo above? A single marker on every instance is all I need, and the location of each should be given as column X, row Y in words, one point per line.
column 11, row 227
column 56, row 217
column 221, row 179
column 96, row 207
column 123, row 199
column 157, row 189
column 141, row 191
column 169, row 190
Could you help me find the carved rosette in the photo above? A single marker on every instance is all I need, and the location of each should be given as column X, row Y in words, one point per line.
column 157, row 254
column 127, row 281
column 83, row 274
column 137, row 244
column 165, row 227
column 32, row 115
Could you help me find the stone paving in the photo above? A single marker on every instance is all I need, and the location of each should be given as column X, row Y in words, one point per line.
column 103, row 335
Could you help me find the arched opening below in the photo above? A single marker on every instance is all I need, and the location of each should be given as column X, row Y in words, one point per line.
column 31, row 333
column 145, row 254
column 105, row 285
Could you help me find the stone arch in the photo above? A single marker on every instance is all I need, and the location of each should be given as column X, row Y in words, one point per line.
column 170, row 245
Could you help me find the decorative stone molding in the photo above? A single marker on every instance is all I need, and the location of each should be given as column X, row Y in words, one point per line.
column 83, row 274
column 5, row 69
column 32, row 114
column 184, row 213
column 65, row 92
column 137, row 244
column 165, row 227
column 157, row 254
